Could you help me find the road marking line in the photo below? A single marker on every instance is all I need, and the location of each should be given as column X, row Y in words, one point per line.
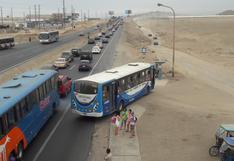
column 64, row 113
column 51, row 134
column 72, row 67
column 103, row 53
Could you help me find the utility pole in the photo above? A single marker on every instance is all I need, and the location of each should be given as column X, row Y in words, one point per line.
column 39, row 16
column 72, row 16
column 64, row 14
column 88, row 14
column 12, row 17
column 30, row 15
column 35, row 16
column 1, row 16
column 58, row 16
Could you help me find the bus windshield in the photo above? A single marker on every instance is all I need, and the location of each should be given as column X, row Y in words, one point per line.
column 85, row 87
column 44, row 36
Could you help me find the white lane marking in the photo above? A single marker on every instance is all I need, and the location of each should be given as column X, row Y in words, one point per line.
column 51, row 134
column 72, row 67
column 61, row 119
column 104, row 51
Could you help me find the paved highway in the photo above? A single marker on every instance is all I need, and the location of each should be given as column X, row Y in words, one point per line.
column 67, row 136
column 22, row 52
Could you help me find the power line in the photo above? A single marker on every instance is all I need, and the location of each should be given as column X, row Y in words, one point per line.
column 64, row 13
column 39, row 15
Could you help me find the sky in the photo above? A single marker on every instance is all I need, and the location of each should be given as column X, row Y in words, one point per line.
column 100, row 7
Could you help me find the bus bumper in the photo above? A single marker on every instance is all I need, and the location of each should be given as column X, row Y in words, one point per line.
column 89, row 114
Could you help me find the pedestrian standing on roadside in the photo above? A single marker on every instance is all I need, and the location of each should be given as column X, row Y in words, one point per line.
column 30, row 39
column 128, row 119
column 108, row 156
column 117, row 124
column 124, row 117
column 113, row 120
column 133, row 125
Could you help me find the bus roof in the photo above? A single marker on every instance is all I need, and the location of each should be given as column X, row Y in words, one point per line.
column 14, row 90
column 117, row 72
column 47, row 32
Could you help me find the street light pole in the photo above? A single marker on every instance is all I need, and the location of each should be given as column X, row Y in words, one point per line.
column 173, row 56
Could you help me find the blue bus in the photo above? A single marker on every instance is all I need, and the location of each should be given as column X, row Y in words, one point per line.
column 26, row 103
column 109, row 91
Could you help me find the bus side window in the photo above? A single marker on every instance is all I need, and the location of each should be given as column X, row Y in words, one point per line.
column 28, row 103
column 1, row 128
column 17, row 112
column 147, row 73
column 139, row 77
column 23, row 107
column 5, row 123
column 44, row 90
column 41, row 93
column 142, row 76
column 48, row 86
column 11, row 118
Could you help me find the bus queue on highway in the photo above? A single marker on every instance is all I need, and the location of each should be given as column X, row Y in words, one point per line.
column 28, row 100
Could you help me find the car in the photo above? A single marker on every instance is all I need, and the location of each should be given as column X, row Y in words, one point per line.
column 150, row 35
column 103, row 33
column 91, row 41
column 85, row 66
column 97, row 38
column 68, row 55
column 81, row 34
column 107, row 36
column 61, row 63
column 76, row 52
column 156, row 43
column 64, row 85
column 96, row 50
column 99, row 43
column 105, row 40
column 86, row 55
column 99, row 34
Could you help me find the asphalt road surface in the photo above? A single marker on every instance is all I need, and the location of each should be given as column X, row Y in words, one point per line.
column 67, row 136
column 23, row 52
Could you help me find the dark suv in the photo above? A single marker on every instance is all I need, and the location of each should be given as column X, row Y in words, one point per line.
column 86, row 55
column 76, row 52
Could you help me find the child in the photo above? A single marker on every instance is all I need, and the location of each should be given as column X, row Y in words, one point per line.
column 133, row 125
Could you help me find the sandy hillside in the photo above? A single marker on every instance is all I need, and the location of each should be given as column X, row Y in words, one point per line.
column 182, row 115
column 209, row 38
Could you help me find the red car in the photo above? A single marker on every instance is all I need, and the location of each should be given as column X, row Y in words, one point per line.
column 64, row 85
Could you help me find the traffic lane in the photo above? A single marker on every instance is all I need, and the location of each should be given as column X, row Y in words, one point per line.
column 109, row 52
column 38, row 141
column 24, row 52
column 72, row 139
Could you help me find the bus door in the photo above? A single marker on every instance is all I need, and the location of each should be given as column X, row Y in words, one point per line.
column 113, row 96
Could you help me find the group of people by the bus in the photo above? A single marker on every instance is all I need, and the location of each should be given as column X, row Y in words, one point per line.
column 124, row 120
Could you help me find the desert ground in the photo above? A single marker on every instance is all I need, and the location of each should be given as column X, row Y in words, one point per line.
column 182, row 113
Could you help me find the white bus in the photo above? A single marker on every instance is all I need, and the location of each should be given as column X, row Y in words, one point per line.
column 48, row 37
column 109, row 91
